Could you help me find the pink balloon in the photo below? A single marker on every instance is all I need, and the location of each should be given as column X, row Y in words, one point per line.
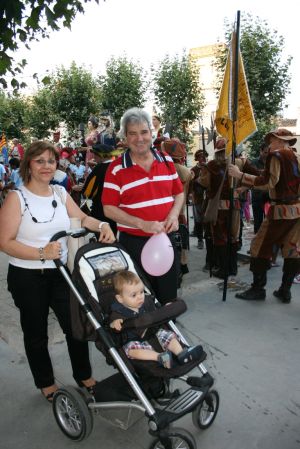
column 157, row 255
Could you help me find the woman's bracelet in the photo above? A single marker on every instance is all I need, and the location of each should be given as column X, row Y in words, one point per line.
column 41, row 254
column 101, row 224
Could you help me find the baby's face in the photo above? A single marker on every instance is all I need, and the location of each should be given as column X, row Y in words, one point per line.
column 132, row 295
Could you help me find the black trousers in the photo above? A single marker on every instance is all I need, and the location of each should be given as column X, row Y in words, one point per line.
column 34, row 292
column 165, row 286
column 258, row 214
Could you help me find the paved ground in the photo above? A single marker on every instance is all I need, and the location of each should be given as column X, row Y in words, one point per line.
column 253, row 353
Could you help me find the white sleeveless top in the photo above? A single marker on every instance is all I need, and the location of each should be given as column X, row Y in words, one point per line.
column 39, row 234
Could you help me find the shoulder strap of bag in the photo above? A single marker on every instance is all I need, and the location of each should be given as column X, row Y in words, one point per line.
column 218, row 194
column 56, row 188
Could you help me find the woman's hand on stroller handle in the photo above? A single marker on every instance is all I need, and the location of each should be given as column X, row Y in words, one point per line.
column 106, row 233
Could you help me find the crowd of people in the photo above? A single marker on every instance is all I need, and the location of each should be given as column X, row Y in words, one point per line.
column 129, row 186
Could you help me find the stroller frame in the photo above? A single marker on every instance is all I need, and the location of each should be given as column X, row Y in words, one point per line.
column 198, row 399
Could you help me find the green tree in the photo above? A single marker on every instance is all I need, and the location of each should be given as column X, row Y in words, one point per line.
column 24, row 21
column 12, row 115
column 178, row 93
column 267, row 72
column 123, row 87
column 39, row 116
column 74, row 95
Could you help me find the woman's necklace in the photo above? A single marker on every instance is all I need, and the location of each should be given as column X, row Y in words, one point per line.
column 35, row 220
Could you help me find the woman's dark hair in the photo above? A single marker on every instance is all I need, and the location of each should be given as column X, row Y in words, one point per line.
column 94, row 121
column 157, row 117
column 36, row 149
column 14, row 162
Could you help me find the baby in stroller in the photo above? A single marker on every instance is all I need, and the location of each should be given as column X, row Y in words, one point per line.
column 139, row 385
column 131, row 302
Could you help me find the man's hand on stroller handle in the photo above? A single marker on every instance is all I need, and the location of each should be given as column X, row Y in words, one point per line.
column 117, row 324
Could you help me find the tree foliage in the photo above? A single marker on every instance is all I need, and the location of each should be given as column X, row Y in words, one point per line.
column 123, row 87
column 39, row 118
column 267, row 71
column 74, row 95
column 12, row 115
column 178, row 93
column 24, row 21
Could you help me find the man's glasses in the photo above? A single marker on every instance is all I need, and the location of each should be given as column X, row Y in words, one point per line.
column 44, row 162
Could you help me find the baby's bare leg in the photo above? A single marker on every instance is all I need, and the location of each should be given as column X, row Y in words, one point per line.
column 174, row 346
column 143, row 354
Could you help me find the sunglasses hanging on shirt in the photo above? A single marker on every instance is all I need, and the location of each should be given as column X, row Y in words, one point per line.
column 34, row 219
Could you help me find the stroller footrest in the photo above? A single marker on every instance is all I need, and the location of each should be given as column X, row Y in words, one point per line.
column 181, row 405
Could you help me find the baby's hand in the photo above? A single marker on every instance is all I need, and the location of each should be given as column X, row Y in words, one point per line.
column 117, row 324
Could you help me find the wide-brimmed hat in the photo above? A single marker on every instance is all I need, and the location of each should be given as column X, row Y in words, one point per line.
column 220, row 144
column 174, row 148
column 283, row 134
column 103, row 150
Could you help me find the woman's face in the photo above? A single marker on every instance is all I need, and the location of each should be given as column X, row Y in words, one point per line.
column 42, row 167
column 155, row 122
column 90, row 125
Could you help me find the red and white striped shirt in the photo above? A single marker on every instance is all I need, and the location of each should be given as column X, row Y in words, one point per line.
column 146, row 195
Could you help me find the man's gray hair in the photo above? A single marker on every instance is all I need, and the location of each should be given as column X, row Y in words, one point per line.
column 134, row 116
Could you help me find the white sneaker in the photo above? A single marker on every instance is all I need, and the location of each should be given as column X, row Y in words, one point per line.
column 296, row 279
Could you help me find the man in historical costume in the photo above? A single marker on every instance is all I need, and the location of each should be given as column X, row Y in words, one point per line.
column 282, row 223
column 259, row 197
column 197, row 192
column 211, row 177
column 93, row 186
column 216, row 235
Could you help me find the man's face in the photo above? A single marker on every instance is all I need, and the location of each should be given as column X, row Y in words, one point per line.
column 276, row 144
column 139, row 138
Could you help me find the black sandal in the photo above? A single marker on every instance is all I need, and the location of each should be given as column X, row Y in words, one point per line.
column 49, row 396
column 89, row 389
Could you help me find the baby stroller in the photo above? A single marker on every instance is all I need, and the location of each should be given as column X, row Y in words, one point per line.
column 139, row 387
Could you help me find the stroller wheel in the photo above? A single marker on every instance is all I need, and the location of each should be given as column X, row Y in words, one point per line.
column 72, row 413
column 204, row 414
column 177, row 438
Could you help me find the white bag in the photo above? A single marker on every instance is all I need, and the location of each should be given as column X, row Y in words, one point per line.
column 75, row 243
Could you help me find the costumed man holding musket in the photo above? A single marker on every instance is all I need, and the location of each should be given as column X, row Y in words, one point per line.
column 281, row 226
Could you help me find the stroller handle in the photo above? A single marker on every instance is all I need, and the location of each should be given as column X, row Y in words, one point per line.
column 75, row 233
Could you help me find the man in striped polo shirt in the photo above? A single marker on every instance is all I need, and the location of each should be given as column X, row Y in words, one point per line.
column 144, row 195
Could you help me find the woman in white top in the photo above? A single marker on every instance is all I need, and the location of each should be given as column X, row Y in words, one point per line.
column 29, row 217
